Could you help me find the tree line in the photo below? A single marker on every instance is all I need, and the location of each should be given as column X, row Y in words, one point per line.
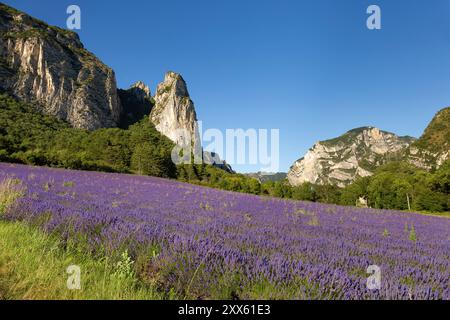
column 29, row 137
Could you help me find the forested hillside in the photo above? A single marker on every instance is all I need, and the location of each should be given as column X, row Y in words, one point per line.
column 29, row 137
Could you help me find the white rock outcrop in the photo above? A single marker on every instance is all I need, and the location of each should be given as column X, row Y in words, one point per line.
column 340, row 161
column 174, row 113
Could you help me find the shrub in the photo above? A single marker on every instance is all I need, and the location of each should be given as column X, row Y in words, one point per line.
column 10, row 191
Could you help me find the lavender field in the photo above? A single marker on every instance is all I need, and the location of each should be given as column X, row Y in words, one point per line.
column 202, row 243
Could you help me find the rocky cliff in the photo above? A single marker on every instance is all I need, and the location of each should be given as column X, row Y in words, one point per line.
column 137, row 102
column 50, row 67
column 174, row 113
column 341, row 160
column 432, row 149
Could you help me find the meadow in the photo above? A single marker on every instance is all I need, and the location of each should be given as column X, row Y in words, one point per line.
column 184, row 241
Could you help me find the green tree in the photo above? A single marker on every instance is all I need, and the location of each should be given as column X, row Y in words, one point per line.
column 146, row 161
column 305, row 192
column 354, row 191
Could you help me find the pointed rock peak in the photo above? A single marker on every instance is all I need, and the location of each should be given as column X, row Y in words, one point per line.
column 142, row 88
column 174, row 113
column 172, row 76
column 173, row 83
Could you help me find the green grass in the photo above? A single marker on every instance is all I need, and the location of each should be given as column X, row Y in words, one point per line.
column 434, row 214
column 34, row 264
column 10, row 190
column 33, row 267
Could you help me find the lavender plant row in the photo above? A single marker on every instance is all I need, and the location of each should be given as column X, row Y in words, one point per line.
column 207, row 243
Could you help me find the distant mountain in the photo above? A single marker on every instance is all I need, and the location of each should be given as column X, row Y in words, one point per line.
column 214, row 159
column 341, row 160
column 432, row 149
column 267, row 176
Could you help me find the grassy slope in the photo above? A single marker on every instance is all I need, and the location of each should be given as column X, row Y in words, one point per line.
column 33, row 266
column 433, row 214
column 436, row 137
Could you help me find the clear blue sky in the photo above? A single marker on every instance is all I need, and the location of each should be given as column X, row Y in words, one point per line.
column 310, row 68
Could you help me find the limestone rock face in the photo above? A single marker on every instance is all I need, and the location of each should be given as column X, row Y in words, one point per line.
column 49, row 67
column 174, row 113
column 355, row 154
column 174, row 116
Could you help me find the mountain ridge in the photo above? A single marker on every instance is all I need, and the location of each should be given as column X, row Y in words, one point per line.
column 50, row 67
column 327, row 161
column 340, row 161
